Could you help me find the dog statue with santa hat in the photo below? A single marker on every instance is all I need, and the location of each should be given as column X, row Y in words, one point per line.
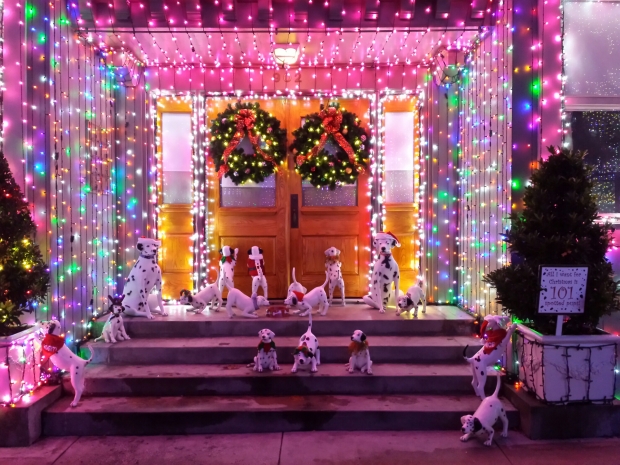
column 256, row 268
column 384, row 273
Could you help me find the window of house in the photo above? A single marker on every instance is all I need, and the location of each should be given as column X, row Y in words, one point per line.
column 177, row 158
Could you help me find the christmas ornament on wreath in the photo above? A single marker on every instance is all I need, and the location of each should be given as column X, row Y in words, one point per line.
column 268, row 140
column 341, row 130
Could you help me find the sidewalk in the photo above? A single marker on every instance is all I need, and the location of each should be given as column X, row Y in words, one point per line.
column 314, row 448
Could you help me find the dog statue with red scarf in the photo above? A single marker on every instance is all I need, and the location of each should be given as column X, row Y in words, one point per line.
column 495, row 338
column 384, row 273
column 256, row 268
column 228, row 260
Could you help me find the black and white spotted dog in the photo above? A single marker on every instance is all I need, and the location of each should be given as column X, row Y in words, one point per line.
column 307, row 354
column 360, row 353
column 207, row 296
column 228, row 261
column 143, row 277
column 484, row 419
column 384, row 273
column 411, row 299
column 266, row 359
column 114, row 328
column 333, row 266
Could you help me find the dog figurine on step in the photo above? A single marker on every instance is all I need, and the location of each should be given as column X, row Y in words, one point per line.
column 305, row 302
column 307, row 354
column 495, row 339
column 333, row 267
column 248, row 305
column 227, row 268
column 114, row 328
column 484, row 419
column 360, row 353
column 256, row 268
column 295, row 286
column 266, row 359
column 414, row 295
column 384, row 273
column 144, row 277
column 53, row 348
column 207, row 296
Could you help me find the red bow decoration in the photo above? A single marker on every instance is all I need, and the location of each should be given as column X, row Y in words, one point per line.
column 245, row 126
column 299, row 295
column 224, row 259
column 331, row 121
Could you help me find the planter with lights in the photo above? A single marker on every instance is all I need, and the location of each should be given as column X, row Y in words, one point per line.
column 20, row 369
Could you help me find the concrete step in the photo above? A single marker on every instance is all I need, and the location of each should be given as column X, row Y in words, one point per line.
column 240, row 350
column 439, row 320
column 99, row 416
column 237, row 380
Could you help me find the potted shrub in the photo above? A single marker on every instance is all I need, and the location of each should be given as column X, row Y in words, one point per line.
column 559, row 226
column 24, row 281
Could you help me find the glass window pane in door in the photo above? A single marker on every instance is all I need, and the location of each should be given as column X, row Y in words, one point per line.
column 399, row 155
column 343, row 196
column 177, row 158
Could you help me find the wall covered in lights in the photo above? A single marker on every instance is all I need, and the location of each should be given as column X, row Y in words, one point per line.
column 485, row 162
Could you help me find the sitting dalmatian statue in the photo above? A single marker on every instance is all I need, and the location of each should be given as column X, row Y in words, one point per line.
column 384, row 273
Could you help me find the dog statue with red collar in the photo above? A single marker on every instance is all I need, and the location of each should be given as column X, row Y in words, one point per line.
column 256, row 268
column 114, row 328
column 495, row 339
column 333, row 265
column 306, row 302
column 384, row 273
column 228, row 260
column 266, row 359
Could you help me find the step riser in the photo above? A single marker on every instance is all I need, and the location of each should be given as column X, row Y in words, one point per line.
column 296, row 327
column 279, row 386
column 110, row 424
column 241, row 355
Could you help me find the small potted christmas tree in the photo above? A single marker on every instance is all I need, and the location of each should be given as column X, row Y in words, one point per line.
column 559, row 226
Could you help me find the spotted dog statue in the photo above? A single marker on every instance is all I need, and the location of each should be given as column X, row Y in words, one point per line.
column 266, row 359
column 295, row 286
column 334, row 272
column 256, row 268
column 305, row 302
column 495, row 339
column 143, row 277
column 210, row 295
column 483, row 420
column 360, row 354
column 248, row 305
column 307, row 354
column 411, row 299
column 53, row 348
column 384, row 273
column 114, row 328
column 228, row 261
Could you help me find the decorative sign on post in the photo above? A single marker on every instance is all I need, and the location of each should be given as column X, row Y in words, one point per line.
column 562, row 291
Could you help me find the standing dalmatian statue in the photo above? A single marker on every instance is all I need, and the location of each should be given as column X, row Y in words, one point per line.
column 384, row 273
column 228, row 261
column 256, row 268
column 143, row 277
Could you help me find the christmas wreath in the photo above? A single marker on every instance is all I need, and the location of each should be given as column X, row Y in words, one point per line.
column 342, row 130
column 264, row 133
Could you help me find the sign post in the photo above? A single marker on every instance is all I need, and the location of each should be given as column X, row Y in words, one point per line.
column 562, row 291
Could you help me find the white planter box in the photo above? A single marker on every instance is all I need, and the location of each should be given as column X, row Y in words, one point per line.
column 20, row 371
column 565, row 369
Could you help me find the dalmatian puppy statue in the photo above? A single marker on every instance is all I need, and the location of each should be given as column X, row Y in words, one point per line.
column 256, row 268
column 143, row 277
column 248, row 305
column 266, row 359
column 414, row 295
column 307, row 354
column 360, row 354
column 305, row 302
column 227, row 268
column 114, row 328
column 295, row 286
column 333, row 267
column 53, row 348
column 495, row 339
column 207, row 296
column 484, row 418
column 384, row 273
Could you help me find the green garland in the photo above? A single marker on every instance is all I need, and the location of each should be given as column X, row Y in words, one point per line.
column 239, row 166
column 325, row 169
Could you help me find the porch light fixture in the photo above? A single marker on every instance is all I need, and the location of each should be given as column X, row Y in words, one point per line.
column 286, row 54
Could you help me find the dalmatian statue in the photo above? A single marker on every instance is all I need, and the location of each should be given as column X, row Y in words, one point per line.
column 256, row 268
column 228, row 261
column 384, row 273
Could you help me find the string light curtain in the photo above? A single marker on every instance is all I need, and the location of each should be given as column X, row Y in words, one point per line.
column 485, row 114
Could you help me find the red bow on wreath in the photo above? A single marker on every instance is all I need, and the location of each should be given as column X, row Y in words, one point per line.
column 331, row 121
column 245, row 125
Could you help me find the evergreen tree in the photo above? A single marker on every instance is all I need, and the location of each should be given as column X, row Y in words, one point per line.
column 557, row 227
column 24, row 277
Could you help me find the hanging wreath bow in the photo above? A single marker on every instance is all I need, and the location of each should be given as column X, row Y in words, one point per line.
column 235, row 124
column 324, row 169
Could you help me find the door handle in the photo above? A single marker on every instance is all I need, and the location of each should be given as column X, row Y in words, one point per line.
column 294, row 211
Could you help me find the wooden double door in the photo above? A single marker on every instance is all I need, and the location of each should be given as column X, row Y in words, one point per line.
column 292, row 222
